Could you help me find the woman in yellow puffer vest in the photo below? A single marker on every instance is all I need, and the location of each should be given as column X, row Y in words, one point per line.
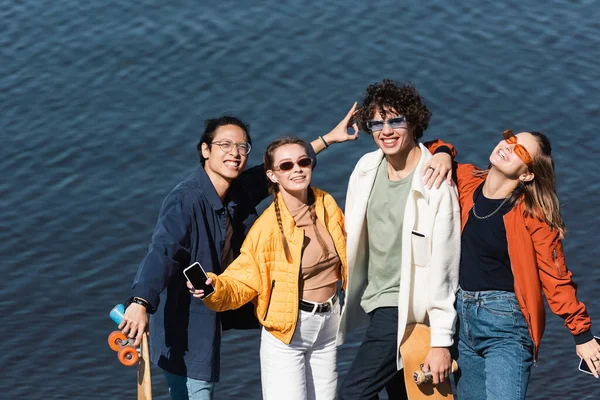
column 289, row 266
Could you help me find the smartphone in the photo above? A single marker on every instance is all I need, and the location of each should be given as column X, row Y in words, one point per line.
column 583, row 367
column 196, row 275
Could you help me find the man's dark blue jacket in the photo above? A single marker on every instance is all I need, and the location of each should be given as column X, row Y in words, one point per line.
column 185, row 335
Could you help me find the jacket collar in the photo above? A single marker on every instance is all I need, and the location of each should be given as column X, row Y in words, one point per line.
column 374, row 158
column 208, row 188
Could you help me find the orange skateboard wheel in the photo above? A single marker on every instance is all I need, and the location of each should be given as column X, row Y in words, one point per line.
column 116, row 339
column 128, row 356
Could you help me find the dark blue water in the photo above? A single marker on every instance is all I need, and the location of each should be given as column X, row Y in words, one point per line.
column 101, row 104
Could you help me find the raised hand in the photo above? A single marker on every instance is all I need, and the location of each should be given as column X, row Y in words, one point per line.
column 340, row 133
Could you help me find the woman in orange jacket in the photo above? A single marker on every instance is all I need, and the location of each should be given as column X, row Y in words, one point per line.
column 511, row 253
column 289, row 266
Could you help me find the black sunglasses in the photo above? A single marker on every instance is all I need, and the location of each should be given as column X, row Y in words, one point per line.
column 289, row 165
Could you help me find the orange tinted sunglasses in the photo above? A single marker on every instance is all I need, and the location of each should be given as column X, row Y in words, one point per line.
column 519, row 149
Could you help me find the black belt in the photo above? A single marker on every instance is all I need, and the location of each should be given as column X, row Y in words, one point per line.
column 320, row 308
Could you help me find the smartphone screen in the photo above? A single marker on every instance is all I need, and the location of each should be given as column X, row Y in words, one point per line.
column 196, row 275
column 583, row 367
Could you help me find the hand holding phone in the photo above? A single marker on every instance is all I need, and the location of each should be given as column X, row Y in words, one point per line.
column 197, row 280
column 583, row 365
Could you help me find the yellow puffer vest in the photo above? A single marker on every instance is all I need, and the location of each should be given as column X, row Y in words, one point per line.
column 263, row 274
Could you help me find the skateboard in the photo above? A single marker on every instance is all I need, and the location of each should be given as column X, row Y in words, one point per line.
column 129, row 355
column 413, row 350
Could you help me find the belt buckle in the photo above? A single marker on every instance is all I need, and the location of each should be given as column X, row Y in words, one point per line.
column 323, row 307
column 327, row 306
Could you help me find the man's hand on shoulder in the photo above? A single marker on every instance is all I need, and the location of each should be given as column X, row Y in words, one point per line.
column 436, row 169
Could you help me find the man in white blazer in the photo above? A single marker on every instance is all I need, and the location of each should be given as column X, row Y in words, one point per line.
column 403, row 246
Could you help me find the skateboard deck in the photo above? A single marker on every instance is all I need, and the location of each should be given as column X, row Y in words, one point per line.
column 413, row 350
column 129, row 355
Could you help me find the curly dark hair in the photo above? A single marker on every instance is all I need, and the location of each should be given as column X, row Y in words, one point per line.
column 400, row 98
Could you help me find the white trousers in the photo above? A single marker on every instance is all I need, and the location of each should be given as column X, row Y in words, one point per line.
column 306, row 369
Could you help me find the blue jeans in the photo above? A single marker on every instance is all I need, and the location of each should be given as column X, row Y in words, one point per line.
column 495, row 351
column 184, row 388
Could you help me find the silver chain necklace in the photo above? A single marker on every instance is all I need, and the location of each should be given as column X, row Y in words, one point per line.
column 492, row 213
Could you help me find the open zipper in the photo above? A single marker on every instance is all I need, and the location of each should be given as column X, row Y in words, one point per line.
column 527, row 316
column 555, row 259
column 270, row 297
column 344, row 283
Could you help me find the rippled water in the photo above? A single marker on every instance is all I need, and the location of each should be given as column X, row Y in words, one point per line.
column 101, row 104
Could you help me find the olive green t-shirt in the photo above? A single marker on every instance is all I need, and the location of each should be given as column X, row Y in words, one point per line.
column 385, row 216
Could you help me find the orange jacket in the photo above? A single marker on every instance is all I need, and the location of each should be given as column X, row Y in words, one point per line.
column 263, row 274
column 537, row 261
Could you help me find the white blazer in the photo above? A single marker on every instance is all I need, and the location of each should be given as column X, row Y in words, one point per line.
column 430, row 258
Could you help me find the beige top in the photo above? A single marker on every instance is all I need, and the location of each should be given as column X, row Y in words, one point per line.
column 318, row 271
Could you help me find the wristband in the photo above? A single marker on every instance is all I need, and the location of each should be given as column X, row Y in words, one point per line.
column 140, row 301
column 443, row 149
column 324, row 142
